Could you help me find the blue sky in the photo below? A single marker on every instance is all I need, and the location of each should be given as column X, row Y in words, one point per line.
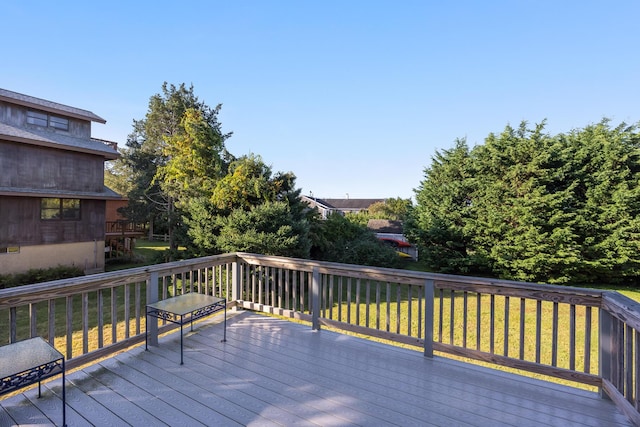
column 353, row 96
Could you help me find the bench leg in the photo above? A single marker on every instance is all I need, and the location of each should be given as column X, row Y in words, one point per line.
column 64, row 398
column 181, row 359
column 146, row 331
column 224, row 339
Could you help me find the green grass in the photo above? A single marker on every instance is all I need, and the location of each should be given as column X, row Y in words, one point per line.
column 146, row 252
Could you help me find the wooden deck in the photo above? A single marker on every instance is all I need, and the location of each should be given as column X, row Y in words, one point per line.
column 276, row 372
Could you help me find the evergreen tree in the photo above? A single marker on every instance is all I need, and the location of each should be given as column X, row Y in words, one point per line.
column 183, row 179
column 146, row 153
column 217, row 222
column 268, row 228
column 195, row 159
column 529, row 206
column 444, row 200
column 518, row 222
column 605, row 172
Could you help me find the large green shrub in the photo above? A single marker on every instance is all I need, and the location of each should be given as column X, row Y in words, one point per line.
column 338, row 239
column 530, row 206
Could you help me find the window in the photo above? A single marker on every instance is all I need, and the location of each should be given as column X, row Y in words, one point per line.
column 35, row 118
column 9, row 250
column 42, row 119
column 71, row 209
column 58, row 123
column 65, row 209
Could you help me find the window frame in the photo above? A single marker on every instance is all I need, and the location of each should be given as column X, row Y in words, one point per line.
column 63, row 209
column 39, row 118
column 59, row 123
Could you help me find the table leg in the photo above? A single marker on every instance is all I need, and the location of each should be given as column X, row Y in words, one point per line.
column 225, row 323
column 64, row 398
column 181, row 357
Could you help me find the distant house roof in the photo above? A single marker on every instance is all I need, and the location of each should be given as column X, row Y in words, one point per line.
column 347, row 204
column 58, row 140
column 50, row 106
column 385, row 226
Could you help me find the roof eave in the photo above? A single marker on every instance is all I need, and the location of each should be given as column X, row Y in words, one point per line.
column 60, row 193
column 79, row 114
column 108, row 155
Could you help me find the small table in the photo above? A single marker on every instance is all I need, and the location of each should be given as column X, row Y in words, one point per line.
column 27, row 362
column 183, row 309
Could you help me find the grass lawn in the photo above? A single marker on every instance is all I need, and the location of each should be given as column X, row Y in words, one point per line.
column 145, row 253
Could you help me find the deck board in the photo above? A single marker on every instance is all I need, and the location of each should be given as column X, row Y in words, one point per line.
column 275, row 372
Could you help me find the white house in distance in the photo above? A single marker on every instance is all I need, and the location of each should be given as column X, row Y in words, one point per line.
column 343, row 206
column 387, row 231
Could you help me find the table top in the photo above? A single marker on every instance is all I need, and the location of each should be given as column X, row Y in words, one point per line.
column 25, row 355
column 185, row 304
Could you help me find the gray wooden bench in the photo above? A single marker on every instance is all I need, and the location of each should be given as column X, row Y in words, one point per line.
column 27, row 362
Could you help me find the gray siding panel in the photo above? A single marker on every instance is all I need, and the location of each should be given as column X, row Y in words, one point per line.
column 32, row 167
column 20, row 223
column 16, row 115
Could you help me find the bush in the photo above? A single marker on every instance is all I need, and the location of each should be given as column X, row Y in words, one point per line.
column 337, row 239
column 39, row 275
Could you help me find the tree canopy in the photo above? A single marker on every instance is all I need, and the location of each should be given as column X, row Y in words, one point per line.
column 339, row 239
column 194, row 159
column 527, row 205
column 268, row 228
column 181, row 179
column 248, row 208
column 392, row 209
column 176, row 125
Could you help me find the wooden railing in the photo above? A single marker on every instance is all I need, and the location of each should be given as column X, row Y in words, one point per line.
column 586, row 336
column 93, row 316
column 124, row 227
column 581, row 335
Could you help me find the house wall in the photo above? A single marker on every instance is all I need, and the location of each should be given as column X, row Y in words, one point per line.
column 29, row 169
column 324, row 212
column 20, row 223
column 16, row 115
column 89, row 256
column 112, row 213
column 34, row 167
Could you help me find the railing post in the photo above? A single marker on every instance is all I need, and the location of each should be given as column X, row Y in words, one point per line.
column 428, row 317
column 152, row 296
column 605, row 348
column 315, row 299
column 236, row 282
column 13, row 322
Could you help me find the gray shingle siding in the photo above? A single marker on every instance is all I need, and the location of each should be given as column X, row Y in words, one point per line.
column 56, row 140
column 43, row 104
